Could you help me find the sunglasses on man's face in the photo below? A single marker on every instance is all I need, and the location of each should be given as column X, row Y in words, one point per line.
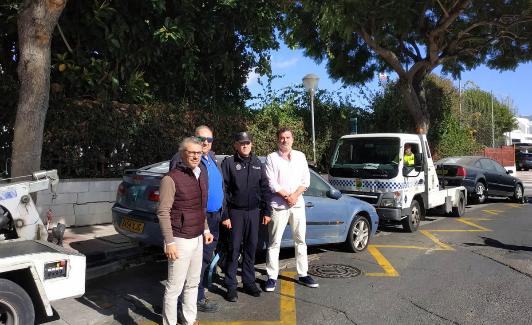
column 202, row 139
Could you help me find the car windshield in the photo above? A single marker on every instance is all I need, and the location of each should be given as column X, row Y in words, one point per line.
column 368, row 157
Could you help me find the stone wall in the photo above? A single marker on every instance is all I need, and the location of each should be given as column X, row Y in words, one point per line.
column 80, row 202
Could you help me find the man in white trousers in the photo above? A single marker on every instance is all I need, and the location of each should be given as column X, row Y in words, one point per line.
column 181, row 213
column 289, row 177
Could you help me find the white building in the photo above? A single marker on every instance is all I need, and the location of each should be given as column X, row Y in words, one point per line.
column 523, row 133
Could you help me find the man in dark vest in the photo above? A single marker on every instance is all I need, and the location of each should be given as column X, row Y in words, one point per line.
column 247, row 199
column 215, row 196
column 181, row 213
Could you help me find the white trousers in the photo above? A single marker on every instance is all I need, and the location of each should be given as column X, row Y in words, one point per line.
column 183, row 275
column 276, row 227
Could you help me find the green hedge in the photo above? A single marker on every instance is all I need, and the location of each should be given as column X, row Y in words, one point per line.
column 86, row 138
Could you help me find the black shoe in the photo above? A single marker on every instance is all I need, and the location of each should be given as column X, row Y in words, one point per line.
column 252, row 289
column 308, row 281
column 270, row 285
column 232, row 295
column 206, row 306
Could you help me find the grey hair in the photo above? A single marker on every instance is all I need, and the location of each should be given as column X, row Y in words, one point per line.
column 186, row 141
column 201, row 127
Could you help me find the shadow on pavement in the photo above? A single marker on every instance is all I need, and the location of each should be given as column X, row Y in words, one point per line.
column 119, row 297
column 497, row 244
column 88, row 230
column 104, row 249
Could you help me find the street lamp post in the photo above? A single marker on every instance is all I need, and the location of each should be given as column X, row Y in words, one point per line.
column 310, row 81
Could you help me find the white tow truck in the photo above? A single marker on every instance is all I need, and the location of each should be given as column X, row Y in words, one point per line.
column 371, row 167
column 33, row 271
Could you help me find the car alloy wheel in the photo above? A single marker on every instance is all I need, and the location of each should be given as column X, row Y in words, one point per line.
column 480, row 192
column 518, row 193
column 358, row 236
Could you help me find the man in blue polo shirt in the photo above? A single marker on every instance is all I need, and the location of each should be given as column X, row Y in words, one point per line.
column 215, row 198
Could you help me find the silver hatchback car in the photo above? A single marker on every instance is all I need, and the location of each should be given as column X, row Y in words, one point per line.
column 331, row 216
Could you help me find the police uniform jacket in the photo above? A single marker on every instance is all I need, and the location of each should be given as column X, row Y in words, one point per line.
column 246, row 184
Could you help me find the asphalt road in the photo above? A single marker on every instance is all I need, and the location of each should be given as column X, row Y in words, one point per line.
column 473, row 270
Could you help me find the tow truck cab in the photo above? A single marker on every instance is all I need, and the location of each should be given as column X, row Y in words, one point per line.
column 371, row 167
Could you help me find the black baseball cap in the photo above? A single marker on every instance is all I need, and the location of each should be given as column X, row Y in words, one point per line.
column 242, row 136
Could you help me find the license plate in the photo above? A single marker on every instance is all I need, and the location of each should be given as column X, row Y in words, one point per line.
column 442, row 171
column 132, row 225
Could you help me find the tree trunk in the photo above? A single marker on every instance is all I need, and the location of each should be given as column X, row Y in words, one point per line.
column 36, row 22
column 416, row 103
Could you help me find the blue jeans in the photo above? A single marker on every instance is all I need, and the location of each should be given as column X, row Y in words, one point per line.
column 213, row 219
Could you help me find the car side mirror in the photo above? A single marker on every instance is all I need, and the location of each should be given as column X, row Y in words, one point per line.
column 418, row 162
column 509, row 172
column 334, row 194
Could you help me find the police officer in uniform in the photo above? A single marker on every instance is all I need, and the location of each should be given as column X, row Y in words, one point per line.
column 247, row 195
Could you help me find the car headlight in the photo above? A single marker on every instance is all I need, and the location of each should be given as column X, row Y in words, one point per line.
column 388, row 203
column 391, row 200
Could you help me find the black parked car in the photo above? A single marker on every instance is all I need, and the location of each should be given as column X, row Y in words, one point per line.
column 481, row 177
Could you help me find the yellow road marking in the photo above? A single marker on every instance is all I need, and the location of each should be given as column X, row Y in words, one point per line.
column 514, row 205
column 442, row 245
column 494, row 212
column 401, row 246
column 472, row 224
column 390, row 271
column 383, row 262
column 287, row 307
column 457, row 230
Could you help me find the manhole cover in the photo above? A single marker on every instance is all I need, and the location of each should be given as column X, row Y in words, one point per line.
column 333, row 271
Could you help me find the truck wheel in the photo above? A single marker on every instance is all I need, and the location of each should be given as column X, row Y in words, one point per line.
column 358, row 235
column 16, row 307
column 480, row 192
column 411, row 222
column 459, row 210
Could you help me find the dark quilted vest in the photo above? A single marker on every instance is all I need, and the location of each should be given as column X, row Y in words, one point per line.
column 190, row 203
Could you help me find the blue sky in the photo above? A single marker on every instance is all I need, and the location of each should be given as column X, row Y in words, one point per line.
column 292, row 65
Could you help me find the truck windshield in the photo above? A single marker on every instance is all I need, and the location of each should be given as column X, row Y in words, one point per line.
column 366, row 158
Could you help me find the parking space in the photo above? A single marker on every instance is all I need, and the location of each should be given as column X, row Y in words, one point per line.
column 447, row 272
column 435, row 235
